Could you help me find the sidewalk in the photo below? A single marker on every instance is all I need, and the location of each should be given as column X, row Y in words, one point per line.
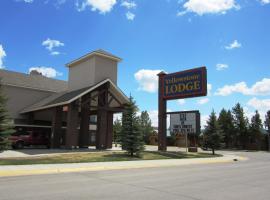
column 21, row 170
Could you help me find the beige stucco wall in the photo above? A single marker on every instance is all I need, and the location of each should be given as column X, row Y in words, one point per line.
column 91, row 71
column 82, row 75
column 105, row 68
column 19, row 98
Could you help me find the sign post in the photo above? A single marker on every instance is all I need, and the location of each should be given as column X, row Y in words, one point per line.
column 179, row 85
column 162, row 116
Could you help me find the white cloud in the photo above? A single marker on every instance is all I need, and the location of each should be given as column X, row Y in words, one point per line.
column 28, row 1
column 259, row 104
column 46, row 71
column 209, row 88
column 153, row 115
column 262, row 105
column 235, row 44
column 130, row 16
column 103, row 6
column 181, row 13
column 221, row 67
column 204, row 119
column 129, row 4
column 181, row 101
column 2, row 55
column 55, row 53
column 203, row 101
column 259, row 88
column 117, row 116
column 202, row 7
column 51, row 45
column 265, row 1
column 147, row 79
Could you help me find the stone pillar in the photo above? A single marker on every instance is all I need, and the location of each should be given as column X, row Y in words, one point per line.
column 56, row 127
column 84, row 137
column 72, row 126
column 109, row 138
column 162, row 115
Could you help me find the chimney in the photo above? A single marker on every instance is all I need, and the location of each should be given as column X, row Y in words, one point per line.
column 35, row 72
column 91, row 69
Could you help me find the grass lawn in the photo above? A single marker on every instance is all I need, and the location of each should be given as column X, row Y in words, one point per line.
column 100, row 157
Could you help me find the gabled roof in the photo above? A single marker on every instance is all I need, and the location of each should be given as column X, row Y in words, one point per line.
column 98, row 52
column 37, row 82
column 65, row 98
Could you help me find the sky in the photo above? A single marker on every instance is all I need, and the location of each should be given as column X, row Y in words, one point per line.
column 230, row 37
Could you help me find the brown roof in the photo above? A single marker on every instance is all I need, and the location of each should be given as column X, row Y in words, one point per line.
column 38, row 82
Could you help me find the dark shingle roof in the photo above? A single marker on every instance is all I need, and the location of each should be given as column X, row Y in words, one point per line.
column 32, row 81
column 69, row 96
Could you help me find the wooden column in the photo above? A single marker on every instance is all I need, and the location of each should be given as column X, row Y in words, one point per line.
column 84, row 137
column 102, row 118
column 162, row 116
column 109, row 138
column 72, row 126
column 31, row 118
column 56, row 127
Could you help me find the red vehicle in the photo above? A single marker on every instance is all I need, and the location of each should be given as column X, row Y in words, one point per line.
column 20, row 139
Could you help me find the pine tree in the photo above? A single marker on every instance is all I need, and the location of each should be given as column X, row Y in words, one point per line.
column 132, row 137
column 255, row 129
column 225, row 121
column 6, row 128
column 117, row 127
column 213, row 135
column 241, row 125
column 146, row 126
column 267, row 126
column 267, row 121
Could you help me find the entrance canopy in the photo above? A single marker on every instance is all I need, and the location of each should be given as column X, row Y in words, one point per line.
column 102, row 99
column 116, row 98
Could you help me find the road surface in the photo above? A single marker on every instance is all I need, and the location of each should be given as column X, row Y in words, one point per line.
column 238, row 180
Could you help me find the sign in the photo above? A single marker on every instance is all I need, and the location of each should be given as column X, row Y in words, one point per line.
column 185, row 84
column 187, row 122
column 179, row 85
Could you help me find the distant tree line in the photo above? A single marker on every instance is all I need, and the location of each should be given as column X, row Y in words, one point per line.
column 232, row 129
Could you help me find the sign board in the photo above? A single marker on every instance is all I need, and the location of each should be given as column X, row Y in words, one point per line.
column 185, row 84
column 187, row 122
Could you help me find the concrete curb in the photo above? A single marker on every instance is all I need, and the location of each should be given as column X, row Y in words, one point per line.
column 23, row 170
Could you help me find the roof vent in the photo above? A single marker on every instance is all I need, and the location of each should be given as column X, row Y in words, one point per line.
column 35, row 72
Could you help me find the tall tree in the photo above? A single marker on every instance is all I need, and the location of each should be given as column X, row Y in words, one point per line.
column 267, row 126
column 6, row 128
column 146, row 126
column 241, row 125
column 225, row 121
column 132, row 137
column 213, row 135
column 117, row 127
column 255, row 134
column 267, row 121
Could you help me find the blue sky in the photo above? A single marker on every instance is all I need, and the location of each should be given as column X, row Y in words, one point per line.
column 230, row 37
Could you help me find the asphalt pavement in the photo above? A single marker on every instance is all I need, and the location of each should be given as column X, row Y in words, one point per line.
column 234, row 180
